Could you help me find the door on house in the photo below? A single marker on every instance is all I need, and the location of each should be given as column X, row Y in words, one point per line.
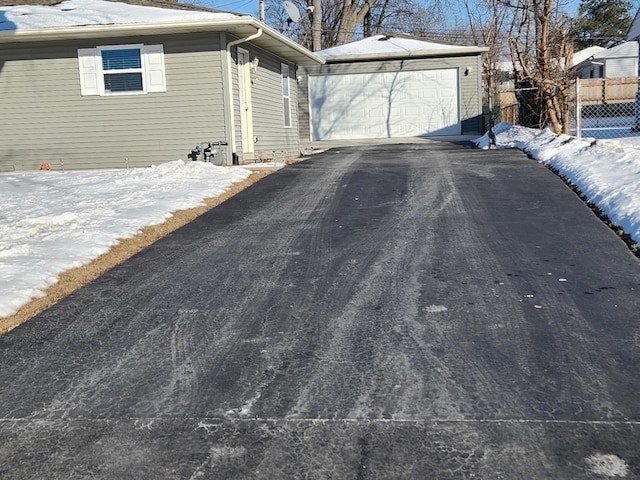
column 244, row 95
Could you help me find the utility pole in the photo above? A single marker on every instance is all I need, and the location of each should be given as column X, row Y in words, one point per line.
column 262, row 11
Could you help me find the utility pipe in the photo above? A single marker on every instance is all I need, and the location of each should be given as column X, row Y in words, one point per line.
column 228, row 97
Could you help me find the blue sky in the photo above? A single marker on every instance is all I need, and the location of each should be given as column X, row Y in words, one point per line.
column 251, row 6
column 240, row 6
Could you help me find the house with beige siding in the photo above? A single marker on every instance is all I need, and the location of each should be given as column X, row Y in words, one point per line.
column 101, row 84
column 389, row 86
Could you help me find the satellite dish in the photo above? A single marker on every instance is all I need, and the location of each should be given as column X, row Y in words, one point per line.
column 292, row 11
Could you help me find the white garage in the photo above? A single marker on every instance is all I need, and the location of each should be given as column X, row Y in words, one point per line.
column 384, row 105
column 392, row 86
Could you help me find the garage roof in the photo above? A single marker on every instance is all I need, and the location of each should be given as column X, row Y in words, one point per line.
column 72, row 19
column 381, row 47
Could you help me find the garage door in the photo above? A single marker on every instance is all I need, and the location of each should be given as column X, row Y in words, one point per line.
column 384, row 105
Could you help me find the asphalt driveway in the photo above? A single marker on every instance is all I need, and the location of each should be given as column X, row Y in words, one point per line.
column 423, row 311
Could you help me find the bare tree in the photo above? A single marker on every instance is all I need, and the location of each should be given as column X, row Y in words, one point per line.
column 421, row 19
column 352, row 14
column 330, row 23
column 488, row 24
column 541, row 52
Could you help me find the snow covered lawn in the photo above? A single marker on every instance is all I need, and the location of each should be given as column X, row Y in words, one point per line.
column 52, row 221
column 607, row 172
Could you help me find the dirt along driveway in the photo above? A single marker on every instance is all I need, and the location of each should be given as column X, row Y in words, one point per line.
column 398, row 311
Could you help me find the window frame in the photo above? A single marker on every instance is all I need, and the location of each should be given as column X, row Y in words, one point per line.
column 103, row 73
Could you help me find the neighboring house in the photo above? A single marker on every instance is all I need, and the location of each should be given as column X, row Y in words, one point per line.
column 504, row 72
column 634, row 31
column 584, row 54
column 389, row 86
column 96, row 83
column 615, row 62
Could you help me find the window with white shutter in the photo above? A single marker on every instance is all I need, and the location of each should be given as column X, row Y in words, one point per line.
column 122, row 70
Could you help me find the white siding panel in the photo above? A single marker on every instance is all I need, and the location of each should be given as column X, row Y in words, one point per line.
column 384, row 105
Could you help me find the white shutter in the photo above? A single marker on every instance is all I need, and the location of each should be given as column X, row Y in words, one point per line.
column 89, row 71
column 154, row 68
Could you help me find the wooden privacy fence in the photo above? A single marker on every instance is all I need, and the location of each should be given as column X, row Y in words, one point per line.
column 508, row 106
column 595, row 91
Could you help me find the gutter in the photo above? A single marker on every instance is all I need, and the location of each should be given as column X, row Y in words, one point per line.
column 228, row 94
column 104, row 30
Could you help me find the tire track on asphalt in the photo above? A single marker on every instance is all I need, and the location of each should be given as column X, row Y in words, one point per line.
column 397, row 302
column 569, row 346
column 484, row 330
column 174, row 386
column 318, row 264
column 548, row 344
column 283, row 297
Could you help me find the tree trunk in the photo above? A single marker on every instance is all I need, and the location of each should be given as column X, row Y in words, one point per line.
column 366, row 27
column 351, row 17
column 316, row 26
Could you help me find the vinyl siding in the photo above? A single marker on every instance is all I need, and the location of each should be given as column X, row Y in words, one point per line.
column 267, row 108
column 470, row 94
column 621, row 67
column 45, row 119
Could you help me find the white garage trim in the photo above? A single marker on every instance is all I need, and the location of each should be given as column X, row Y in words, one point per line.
column 384, row 105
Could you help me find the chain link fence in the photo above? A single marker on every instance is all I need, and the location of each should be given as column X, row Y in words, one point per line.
column 520, row 106
column 606, row 107
column 601, row 108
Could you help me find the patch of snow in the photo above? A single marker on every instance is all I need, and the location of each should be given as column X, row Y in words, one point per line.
column 607, row 465
column 260, row 165
column 76, row 13
column 381, row 44
column 582, row 55
column 52, row 221
column 311, row 151
column 435, row 309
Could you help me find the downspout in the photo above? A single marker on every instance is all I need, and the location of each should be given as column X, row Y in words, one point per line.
column 228, row 95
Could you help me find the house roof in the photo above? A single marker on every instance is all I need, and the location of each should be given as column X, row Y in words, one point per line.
column 174, row 4
column 634, row 30
column 587, row 57
column 584, row 54
column 390, row 46
column 73, row 19
column 626, row 49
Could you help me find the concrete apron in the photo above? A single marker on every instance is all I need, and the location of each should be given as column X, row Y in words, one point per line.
column 326, row 144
